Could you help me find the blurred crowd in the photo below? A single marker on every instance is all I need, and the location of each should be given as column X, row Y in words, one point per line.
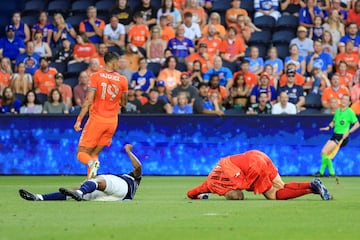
column 186, row 56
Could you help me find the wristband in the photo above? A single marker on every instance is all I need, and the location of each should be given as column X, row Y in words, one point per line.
column 79, row 119
column 330, row 126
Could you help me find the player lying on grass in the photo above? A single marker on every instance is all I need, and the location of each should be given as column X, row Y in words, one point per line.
column 102, row 188
column 253, row 171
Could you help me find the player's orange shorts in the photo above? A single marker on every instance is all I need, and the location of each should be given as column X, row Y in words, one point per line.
column 96, row 133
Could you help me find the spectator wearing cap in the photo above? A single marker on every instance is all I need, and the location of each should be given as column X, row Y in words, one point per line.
column 304, row 44
column 202, row 56
column 319, row 59
column 308, row 13
column 164, row 94
column 185, row 86
column 65, row 89
column 192, row 29
column 11, row 46
column 93, row 27
column 29, row 58
column 263, row 87
column 181, row 46
column 44, row 77
column 295, row 93
column 299, row 78
column 156, row 105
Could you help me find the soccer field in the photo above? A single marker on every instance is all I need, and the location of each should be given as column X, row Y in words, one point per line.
column 162, row 211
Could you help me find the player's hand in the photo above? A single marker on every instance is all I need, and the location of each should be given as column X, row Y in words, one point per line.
column 128, row 147
column 77, row 126
column 325, row 128
column 345, row 135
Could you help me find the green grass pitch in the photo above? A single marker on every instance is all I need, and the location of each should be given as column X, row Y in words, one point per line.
column 162, row 211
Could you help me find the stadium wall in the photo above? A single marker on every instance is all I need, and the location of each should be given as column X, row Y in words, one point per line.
column 171, row 145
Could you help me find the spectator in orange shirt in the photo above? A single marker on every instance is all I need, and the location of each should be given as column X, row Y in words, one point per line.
column 215, row 20
column 5, row 73
column 346, row 79
column 101, row 50
column 251, row 79
column 203, row 57
column 93, row 27
column 199, row 15
column 243, row 30
column 213, row 42
column 167, row 32
column 156, row 46
column 334, row 90
column 170, row 75
column 65, row 90
column 349, row 56
column 132, row 55
column 231, row 14
column 354, row 14
column 84, row 50
column 44, row 77
column 138, row 33
column 232, row 48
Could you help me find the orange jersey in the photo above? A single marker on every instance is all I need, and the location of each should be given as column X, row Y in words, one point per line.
column 196, row 56
column 348, row 58
column 167, row 33
column 132, row 61
column 138, row 35
column 299, row 80
column 171, row 78
column 199, row 15
column 109, row 87
column 179, row 4
column 345, row 79
column 232, row 49
column 212, row 44
column 85, row 50
column 45, row 81
column 219, row 28
column 66, row 92
column 250, row 78
column 222, row 93
column 329, row 93
column 4, row 79
column 233, row 12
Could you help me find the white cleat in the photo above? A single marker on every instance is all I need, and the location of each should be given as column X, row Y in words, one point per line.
column 94, row 166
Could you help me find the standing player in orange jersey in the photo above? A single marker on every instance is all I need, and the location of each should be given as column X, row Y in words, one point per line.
column 253, row 171
column 107, row 93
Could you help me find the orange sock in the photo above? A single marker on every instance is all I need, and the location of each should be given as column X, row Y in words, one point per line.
column 84, row 157
column 289, row 193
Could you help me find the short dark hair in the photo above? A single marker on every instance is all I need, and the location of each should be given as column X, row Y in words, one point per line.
column 110, row 56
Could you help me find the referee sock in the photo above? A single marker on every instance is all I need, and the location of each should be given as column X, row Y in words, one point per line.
column 324, row 163
column 331, row 167
column 56, row 196
column 288, row 193
column 297, row 185
column 88, row 187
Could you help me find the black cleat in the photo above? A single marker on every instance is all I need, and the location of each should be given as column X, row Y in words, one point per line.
column 318, row 174
column 71, row 193
column 28, row 195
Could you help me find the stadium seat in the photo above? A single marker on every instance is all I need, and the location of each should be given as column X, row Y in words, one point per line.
column 134, row 3
column 262, row 50
column 310, row 111
column 33, row 7
column 58, row 6
column 248, row 5
column 42, row 98
column 263, row 37
column 287, row 22
column 282, row 50
column 154, row 67
column 80, row 7
column 313, row 100
column 104, row 6
column 75, row 68
column 221, row 5
column 156, row 4
column 181, row 67
column 115, row 49
column 283, row 36
column 233, row 111
column 20, row 97
column 61, row 67
column 231, row 65
column 75, row 20
column 4, row 20
column 72, row 81
column 265, row 22
column 30, row 20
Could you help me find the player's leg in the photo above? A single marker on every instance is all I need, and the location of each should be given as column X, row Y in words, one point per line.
column 88, row 186
column 282, row 191
column 325, row 160
column 55, row 196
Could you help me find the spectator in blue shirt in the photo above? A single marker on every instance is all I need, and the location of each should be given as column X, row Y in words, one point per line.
column 93, row 27
column 351, row 35
column 224, row 73
column 180, row 46
column 267, row 8
column 29, row 58
column 263, row 87
column 11, row 46
column 308, row 13
column 319, row 59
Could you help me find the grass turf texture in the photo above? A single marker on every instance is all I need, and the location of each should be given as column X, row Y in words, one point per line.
column 161, row 211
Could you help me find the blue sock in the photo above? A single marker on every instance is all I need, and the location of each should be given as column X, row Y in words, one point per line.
column 54, row 196
column 88, row 186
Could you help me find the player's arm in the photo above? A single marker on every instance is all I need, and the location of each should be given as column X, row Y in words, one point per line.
column 124, row 99
column 330, row 126
column 137, row 171
column 84, row 109
column 351, row 130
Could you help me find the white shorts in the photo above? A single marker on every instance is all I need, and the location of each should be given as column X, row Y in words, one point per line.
column 116, row 190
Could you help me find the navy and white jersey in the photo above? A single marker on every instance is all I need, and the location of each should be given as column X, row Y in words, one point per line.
column 133, row 184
